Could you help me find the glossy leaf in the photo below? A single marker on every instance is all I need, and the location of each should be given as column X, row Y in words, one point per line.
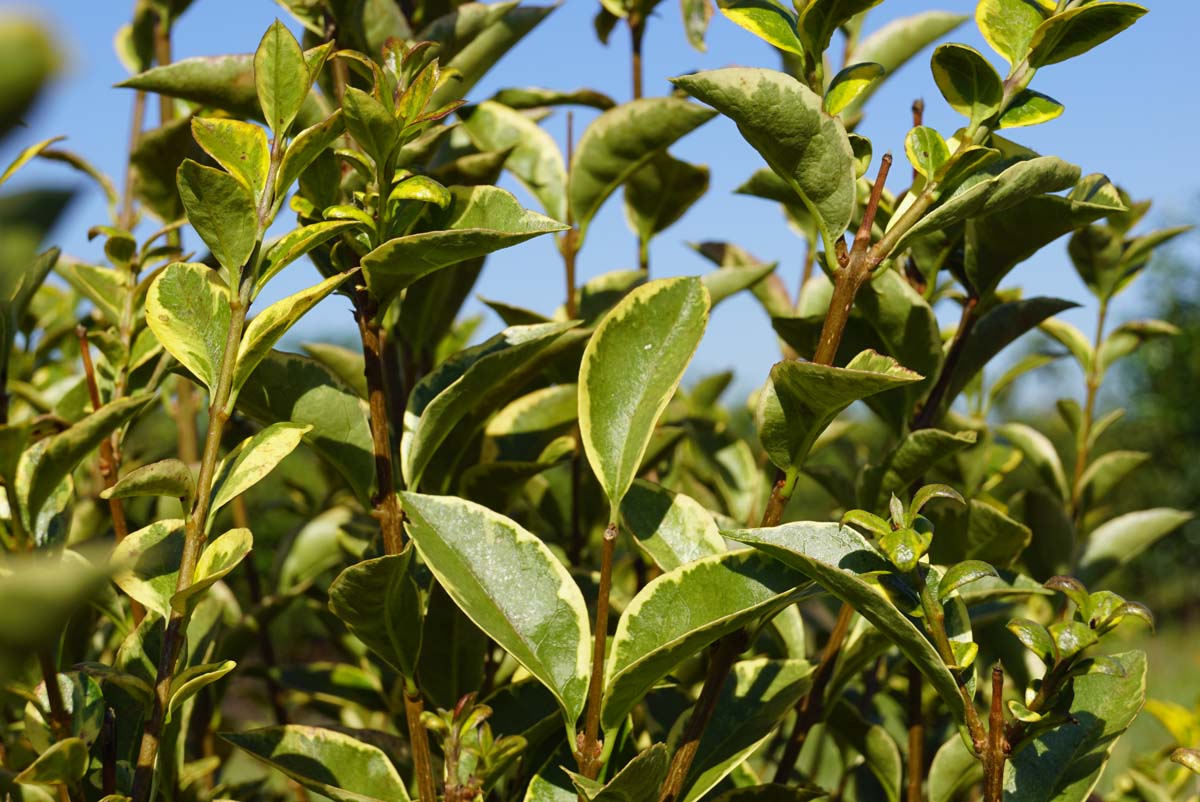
column 1040, row 453
column 954, row 771
column 1030, row 108
column 305, row 147
column 803, row 398
column 821, row 18
column 895, row 43
column 926, row 150
column 1065, row 763
column 673, row 529
column 1116, row 542
column 620, row 141
column 1075, row 31
column 281, row 77
column 479, row 220
column 379, row 602
column 837, row 558
column 251, row 460
column 443, row 398
column 766, row 19
column 851, row 83
column 1009, row 25
column 478, row 556
column 187, row 308
column 219, row 558
column 326, row 762
column 534, row 158
column 684, row 610
column 269, row 325
column 168, row 477
column 64, row 763
column 240, row 147
column 372, row 125
column 223, row 212
column 785, row 122
column 969, row 83
column 295, row 244
column 630, row 369
column 962, row 574
column 637, row 781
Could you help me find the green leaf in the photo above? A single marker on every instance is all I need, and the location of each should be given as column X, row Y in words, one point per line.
column 1116, row 542
column 168, row 477
column 218, row 82
column 877, row 748
column 926, row 150
column 1040, row 453
column 451, row 639
column 620, row 141
column 660, row 192
column 838, row 558
column 673, row 529
column 190, row 681
column 1189, row 758
column 917, row 454
column 222, row 211
column 373, row 127
column 241, row 148
column 534, row 158
column 961, row 574
column 969, row 83
column 986, row 193
column 729, row 280
column 1129, row 337
column 784, row 121
column 536, row 97
column 150, row 564
column 681, row 612
column 218, row 559
column 307, row 145
column 187, row 308
column 803, row 398
column 851, row 83
column 821, row 18
column 1065, row 763
column 1075, row 31
column 64, row 763
column 480, row 220
column 892, row 45
column 766, row 19
column 754, row 699
column 253, row 458
column 1030, row 108
column 41, row 472
column 479, row 556
column 27, row 155
column 273, row 322
column 1106, row 472
column 979, row 532
column 637, row 781
column 630, row 369
column 1009, row 25
column 326, row 762
column 294, row 388
column 954, row 772
column 104, row 287
column 467, row 381
column 1075, row 341
column 297, row 243
column 379, row 603
column 1034, row 637
column 281, row 78
column 696, row 16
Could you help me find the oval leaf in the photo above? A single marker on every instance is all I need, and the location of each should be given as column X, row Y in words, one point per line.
column 187, row 308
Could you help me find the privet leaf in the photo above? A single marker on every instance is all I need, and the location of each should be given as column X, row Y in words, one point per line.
column 785, row 122
column 969, row 83
column 326, row 762
column 1116, row 542
column 620, row 141
column 281, row 77
column 630, row 369
column 222, row 210
column 672, row 528
column 168, row 477
column 479, row 556
column 187, row 308
column 252, row 459
column 379, row 602
column 240, row 147
column 534, row 158
column 1077, row 30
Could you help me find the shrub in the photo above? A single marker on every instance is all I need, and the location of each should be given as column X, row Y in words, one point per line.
column 535, row 567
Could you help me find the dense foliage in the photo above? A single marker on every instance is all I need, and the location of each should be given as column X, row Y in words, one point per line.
column 537, row 568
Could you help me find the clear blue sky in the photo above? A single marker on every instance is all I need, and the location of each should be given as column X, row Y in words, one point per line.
column 1131, row 109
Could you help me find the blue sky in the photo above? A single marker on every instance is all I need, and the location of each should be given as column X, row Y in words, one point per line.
column 1131, row 109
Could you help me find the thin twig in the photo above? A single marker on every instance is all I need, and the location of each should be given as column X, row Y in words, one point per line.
column 590, row 747
column 916, row 735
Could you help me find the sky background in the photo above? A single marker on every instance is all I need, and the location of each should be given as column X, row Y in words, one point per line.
column 1131, row 108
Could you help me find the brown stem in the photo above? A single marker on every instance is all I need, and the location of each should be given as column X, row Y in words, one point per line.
column 1089, row 414
column 725, row 652
column 108, row 462
column 931, row 409
column 128, row 210
column 856, row 272
column 781, row 494
column 637, row 30
column 916, row 735
column 569, row 243
column 265, row 646
column 108, row 737
column 162, row 55
column 590, row 749
column 997, row 746
column 419, row 742
column 387, row 504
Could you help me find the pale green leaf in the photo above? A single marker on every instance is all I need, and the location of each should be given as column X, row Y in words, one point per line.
column 222, row 210
column 168, row 477
column 673, row 529
column 969, row 83
column 251, row 460
column 1075, row 31
column 1116, row 542
column 379, row 603
column 219, row 558
column 850, row 84
column 1040, row 453
column 64, row 763
column 1009, row 25
column 534, row 159
column 281, row 78
column 766, row 19
column 240, row 147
